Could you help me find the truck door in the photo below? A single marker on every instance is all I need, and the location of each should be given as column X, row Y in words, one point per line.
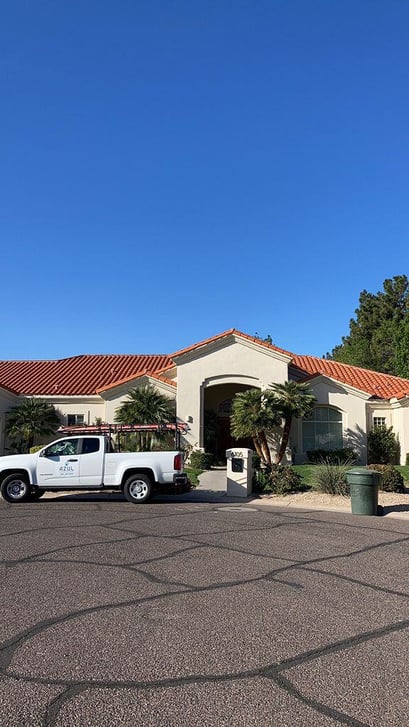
column 58, row 464
column 91, row 461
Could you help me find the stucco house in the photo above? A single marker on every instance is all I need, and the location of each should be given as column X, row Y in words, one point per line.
column 204, row 377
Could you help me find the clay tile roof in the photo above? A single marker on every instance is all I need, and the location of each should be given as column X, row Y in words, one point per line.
column 90, row 374
column 225, row 334
column 158, row 376
column 76, row 376
column 382, row 386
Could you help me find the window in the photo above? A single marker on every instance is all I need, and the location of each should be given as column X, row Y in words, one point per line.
column 90, row 445
column 379, row 422
column 73, row 419
column 323, row 430
column 63, row 448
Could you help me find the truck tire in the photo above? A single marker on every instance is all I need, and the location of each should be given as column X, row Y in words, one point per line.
column 15, row 488
column 138, row 488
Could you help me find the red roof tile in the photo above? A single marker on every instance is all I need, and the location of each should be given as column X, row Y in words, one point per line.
column 374, row 383
column 89, row 374
column 158, row 376
column 80, row 375
column 226, row 334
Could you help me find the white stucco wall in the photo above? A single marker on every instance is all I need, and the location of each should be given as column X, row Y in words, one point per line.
column 400, row 424
column 90, row 407
column 113, row 398
column 231, row 361
column 7, row 401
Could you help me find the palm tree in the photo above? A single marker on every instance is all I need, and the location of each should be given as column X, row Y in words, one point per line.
column 145, row 405
column 292, row 399
column 254, row 415
column 33, row 417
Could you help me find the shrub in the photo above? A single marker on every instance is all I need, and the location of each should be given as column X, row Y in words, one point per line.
column 332, row 456
column 331, row 478
column 278, row 479
column 199, row 460
column 407, row 459
column 36, row 448
column 392, row 480
column 383, row 447
column 257, row 461
column 261, row 481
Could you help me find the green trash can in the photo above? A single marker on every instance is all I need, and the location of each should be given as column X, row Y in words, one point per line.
column 363, row 488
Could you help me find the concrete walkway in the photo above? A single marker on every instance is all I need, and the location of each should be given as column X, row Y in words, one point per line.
column 213, row 480
column 212, row 487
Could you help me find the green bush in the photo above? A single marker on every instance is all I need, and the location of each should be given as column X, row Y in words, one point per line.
column 331, row 478
column 332, row 456
column 257, row 461
column 36, row 448
column 261, row 481
column 407, row 459
column 200, row 460
column 278, row 479
column 392, row 480
column 383, row 447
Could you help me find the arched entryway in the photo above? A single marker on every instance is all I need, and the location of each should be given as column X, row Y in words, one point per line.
column 216, row 424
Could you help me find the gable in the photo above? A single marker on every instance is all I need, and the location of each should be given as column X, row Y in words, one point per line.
column 231, row 359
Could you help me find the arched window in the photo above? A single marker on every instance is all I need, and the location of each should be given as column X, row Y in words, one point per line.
column 323, row 430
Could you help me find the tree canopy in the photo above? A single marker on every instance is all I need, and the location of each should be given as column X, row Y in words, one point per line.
column 144, row 405
column 379, row 334
column 254, row 415
column 32, row 418
column 258, row 413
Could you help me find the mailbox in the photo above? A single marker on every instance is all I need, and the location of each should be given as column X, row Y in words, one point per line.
column 239, row 472
column 237, row 464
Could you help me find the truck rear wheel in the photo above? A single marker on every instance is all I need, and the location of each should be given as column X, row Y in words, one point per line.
column 138, row 488
column 15, row 488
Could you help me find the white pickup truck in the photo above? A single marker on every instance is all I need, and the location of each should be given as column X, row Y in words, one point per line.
column 89, row 463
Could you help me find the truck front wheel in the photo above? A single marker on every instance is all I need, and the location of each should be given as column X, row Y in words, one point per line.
column 138, row 488
column 15, row 488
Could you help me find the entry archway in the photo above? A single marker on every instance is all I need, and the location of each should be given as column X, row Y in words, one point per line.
column 217, row 435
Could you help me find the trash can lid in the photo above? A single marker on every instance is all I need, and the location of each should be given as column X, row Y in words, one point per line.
column 364, row 475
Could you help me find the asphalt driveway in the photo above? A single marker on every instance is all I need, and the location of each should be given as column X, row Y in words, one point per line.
column 188, row 613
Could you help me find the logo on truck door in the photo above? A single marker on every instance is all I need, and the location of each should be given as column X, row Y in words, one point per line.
column 66, row 469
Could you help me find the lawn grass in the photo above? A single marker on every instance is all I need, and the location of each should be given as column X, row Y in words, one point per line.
column 193, row 475
column 404, row 470
column 307, row 473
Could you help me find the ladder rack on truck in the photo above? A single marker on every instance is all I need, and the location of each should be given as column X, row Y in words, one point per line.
column 110, row 430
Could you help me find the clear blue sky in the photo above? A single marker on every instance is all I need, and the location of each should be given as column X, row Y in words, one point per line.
column 171, row 169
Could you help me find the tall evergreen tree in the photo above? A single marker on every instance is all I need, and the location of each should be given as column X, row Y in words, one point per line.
column 379, row 334
column 402, row 349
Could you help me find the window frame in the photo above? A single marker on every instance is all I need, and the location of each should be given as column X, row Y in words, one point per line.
column 75, row 423
column 378, row 422
column 335, row 440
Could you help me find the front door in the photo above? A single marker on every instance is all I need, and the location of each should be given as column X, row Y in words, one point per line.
column 225, row 440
